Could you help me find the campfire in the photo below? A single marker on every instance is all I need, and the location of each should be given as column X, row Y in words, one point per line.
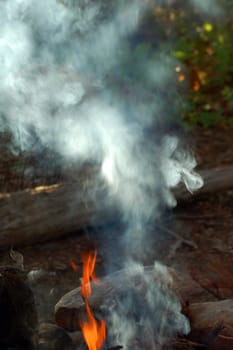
column 77, row 83
column 137, row 304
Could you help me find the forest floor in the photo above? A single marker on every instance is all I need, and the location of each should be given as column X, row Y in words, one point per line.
column 205, row 224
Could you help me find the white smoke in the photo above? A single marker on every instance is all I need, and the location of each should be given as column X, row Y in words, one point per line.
column 146, row 311
column 71, row 75
column 66, row 74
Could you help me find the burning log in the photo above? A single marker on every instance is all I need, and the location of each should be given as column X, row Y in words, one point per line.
column 142, row 298
column 46, row 213
column 70, row 310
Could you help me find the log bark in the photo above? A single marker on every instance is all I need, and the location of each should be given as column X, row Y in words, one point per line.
column 42, row 214
column 215, row 180
column 46, row 213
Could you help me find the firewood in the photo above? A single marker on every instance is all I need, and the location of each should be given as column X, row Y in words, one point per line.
column 46, row 213
column 70, row 309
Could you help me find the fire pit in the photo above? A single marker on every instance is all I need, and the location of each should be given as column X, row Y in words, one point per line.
column 139, row 304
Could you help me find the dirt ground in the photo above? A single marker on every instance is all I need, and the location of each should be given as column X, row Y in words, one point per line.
column 200, row 242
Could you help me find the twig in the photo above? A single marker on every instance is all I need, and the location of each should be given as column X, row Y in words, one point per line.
column 180, row 238
column 181, row 343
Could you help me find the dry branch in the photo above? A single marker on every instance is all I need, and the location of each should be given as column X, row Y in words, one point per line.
column 38, row 215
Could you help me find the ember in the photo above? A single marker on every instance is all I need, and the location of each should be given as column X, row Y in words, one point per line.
column 94, row 331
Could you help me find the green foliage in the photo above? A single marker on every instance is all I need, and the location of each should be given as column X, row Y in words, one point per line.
column 205, row 48
column 227, row 95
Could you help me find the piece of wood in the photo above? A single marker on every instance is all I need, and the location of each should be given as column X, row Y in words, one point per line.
column 46, row 213
column 70, row 309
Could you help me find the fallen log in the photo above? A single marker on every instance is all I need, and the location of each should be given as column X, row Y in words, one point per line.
column 49, row 212
column 46, row 213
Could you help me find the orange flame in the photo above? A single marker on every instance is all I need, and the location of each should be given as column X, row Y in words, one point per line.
column 94, row 332
column 89, row 260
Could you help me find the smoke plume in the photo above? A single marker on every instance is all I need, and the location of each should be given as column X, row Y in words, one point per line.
column 70, row 74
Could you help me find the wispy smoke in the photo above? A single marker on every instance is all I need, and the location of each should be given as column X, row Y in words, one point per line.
column 148, row 313
column 72, row 74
